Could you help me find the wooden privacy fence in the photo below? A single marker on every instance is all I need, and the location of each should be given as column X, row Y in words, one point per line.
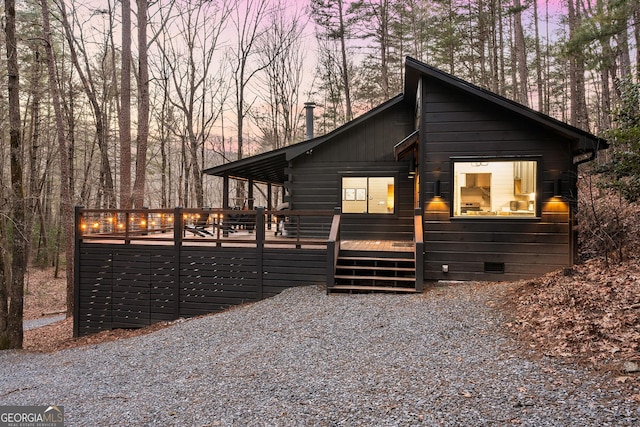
column 137, row 267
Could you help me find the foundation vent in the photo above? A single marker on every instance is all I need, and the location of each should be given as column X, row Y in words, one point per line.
column 494, row 267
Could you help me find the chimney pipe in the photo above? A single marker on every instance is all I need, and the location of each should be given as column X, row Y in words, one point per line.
column 309, row 106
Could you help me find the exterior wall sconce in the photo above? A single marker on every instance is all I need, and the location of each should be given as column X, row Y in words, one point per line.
column 436, row 188
column 557, row 188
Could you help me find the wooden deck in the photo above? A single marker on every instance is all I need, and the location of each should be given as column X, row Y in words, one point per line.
column 241, row 238
column 137, row 267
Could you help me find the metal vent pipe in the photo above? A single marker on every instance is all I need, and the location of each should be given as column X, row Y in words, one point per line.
column 309, row 106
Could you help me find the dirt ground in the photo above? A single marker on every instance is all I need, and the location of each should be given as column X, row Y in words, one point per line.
column 589, row 314
column 45, row 295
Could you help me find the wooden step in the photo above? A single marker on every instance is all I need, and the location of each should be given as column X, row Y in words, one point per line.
column 376, row 268
column 375, row 278
column 371, row 288
column 365, row 258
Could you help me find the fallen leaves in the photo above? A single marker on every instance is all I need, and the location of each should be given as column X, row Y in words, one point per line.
column 590, row 313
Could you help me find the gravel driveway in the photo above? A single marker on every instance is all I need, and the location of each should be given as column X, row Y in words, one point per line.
column 304, row 358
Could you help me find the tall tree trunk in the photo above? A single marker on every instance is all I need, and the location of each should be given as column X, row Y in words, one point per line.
column 521, row 53
column 579, row 117
column 503, row 80
column 494, row 52
column 384, row 47
column 143, row 107
column 345, row 64
column 12, row 335
column 124, row 116
column 539, row 81
column 636, row 33
column 65, row 193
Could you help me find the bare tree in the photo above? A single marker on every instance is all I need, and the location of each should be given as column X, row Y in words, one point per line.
column 11, row 308
column 124, row 116
column 189, row 57
column 281, row 50
column 143, row 107
column 65, row 193
column 330, row 16
column 520, row 53
column 249, row 24
column 86, row 74
column 579, row 115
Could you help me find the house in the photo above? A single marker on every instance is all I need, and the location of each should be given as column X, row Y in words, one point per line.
column 494, row 182
column 445, row 182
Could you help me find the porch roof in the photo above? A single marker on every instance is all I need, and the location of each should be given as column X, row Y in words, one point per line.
column 270, row 167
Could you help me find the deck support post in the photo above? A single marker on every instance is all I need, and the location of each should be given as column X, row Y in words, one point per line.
column 333, row 248
column 76, row 270
column 225, row 202
column 127, row 240
column 269, row 204
column 178, row 227
column 250, row 196
column 259, row 252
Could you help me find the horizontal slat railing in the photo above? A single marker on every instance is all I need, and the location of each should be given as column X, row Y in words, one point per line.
column 135, row 267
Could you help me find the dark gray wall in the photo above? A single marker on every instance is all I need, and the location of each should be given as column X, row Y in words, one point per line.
column 363, row 150
column 456, row 124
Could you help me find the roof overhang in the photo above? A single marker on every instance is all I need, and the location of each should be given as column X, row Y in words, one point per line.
column 582, row 141
column 405, row 147
column 270, row 167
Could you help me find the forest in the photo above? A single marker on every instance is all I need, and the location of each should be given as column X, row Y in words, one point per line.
column 120, row 104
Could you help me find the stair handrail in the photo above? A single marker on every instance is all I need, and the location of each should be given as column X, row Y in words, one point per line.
column 333, row 247
column 418, row 238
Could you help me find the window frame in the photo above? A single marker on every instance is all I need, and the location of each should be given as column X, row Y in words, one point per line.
column 369, row 175
column 515, row 158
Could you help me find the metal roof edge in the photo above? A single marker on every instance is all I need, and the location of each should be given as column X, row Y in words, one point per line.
column 299, row 148
column 315, row 142
column 570, row 131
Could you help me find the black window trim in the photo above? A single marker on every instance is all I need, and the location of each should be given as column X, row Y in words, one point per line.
column 370, row 174
column 538, row 158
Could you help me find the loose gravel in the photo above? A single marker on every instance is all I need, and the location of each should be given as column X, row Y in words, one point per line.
column 304, row 358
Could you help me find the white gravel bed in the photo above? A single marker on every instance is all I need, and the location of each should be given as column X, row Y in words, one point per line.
column 305, row 358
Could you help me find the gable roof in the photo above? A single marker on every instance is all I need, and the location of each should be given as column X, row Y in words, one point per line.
column 269, row 167
column 584, row 142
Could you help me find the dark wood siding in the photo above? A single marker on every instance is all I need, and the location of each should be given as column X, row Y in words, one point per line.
column 456, row 124
column 365, row 150
column 284, row 269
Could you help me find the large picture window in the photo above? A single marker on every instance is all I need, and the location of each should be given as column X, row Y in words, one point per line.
column 370, row 195
column 494, row 188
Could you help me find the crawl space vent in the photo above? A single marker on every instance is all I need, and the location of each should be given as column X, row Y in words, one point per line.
column 494, row 267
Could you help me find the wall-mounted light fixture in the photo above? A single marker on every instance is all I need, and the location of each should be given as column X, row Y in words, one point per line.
column 412, row 165
column 557, row 188
column 436, row 188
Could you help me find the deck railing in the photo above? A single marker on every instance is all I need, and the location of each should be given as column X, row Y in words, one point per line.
column 217, row 226
column 139, row 266
column 333, row 248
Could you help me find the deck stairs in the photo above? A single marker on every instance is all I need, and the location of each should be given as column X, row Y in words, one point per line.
column 375, row 271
